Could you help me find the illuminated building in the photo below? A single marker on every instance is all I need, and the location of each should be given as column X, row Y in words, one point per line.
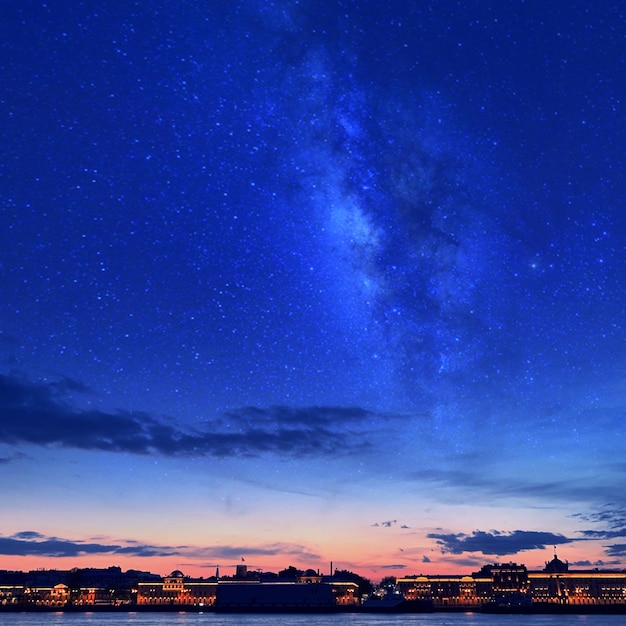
column 554, row 588
column 177, row 589
column 11, row 594
column 556, row 584
column 239, row 593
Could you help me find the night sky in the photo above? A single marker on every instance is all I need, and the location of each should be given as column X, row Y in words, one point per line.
column 308, row 281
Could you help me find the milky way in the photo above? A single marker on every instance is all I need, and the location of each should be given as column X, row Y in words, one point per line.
column 302, row 252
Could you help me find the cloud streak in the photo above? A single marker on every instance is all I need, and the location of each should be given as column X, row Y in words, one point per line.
column 611, row 516
column 495, row 542
column 38, row 413
column 475, row 482
column 618, row 549
column 273, row 549
column 32, row 543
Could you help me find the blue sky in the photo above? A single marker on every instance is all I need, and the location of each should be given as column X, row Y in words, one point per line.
column 299, row 282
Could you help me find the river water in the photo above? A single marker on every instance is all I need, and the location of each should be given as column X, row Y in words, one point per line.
column 342, row 619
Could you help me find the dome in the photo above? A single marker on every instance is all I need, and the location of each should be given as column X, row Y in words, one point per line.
column 556, row 566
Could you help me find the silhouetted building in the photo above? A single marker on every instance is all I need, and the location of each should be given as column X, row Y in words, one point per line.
column 249, row 596
column 556, row 566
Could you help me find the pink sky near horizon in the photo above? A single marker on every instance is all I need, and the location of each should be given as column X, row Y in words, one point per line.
column 358, row 563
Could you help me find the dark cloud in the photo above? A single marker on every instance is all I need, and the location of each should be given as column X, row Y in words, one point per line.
column 32, row 543
column 65, row 384
column 273, row 549
column 147, row 551
column 603, row 534
column 611, row 516
column 474, row 482
column 38, row 413
column 386, row 524
column 8, row 341
column 295, row 416
column 394, row 566
column 498, row 543
column 27, row 534
column 14, row 457
column 617, row 549
column 29, row 543
column 598, row 563
column 425, row 559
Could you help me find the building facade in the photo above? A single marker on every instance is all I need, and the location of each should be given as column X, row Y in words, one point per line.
column 555, row 584
column 508, row 584
column 177, row 589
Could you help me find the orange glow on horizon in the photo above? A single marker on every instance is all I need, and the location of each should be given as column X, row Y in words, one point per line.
column 373, row 567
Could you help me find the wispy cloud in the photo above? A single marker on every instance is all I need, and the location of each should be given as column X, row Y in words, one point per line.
column 612, row 517
column 598, row 563
column 386, row 524
column 29, row 543
column 272, row 549
column 616, row 549
column 297, row 416
column 495, row 542
column 474, row 482
column 28, row 535
column 603, row 534
column 39, row 413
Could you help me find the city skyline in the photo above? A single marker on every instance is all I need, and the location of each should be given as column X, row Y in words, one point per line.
column 242, row 571
column 301, row 282
column 506, row 587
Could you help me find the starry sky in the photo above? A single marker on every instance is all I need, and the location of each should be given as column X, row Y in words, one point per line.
column 301, row 281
